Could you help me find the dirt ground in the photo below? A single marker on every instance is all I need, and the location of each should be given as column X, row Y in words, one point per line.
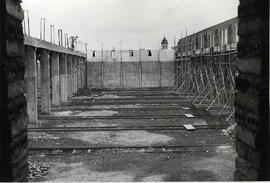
column 127, row 155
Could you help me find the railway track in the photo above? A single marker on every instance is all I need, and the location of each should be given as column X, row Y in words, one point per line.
column 49, row 117
column 145, row 149
column 124, row 128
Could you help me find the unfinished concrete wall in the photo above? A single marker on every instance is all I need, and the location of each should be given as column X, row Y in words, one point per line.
column 94, row 74
column 131, row 68
column 111, row 75
column 13, row 111
column 167, row 74
column 252, row 107
column 150, row 74
column 131, row 74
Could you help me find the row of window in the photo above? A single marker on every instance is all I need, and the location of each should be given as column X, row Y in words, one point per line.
column 210, row 39
column 131, row 53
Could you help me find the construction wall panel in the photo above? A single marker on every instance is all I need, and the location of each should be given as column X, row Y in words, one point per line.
column 167, row 74
column 111, row 73
column 150, row 74
column 131, row 74
column 94, row 74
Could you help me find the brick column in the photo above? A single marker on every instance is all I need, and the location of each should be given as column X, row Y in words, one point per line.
column 69, row 76
column 63, row 78
column 31, row 83
column 55, row 79
column 13, row 110
column 45, row 82
column 252, row 107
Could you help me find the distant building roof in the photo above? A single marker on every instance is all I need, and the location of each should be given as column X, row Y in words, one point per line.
column 164, row 41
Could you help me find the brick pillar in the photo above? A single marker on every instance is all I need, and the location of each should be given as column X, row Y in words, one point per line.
column 69, row 75
column 252, row 107
column 31, row 83
column 63, row 78
column 55, row 79
column 45, row 82
column 13, row 110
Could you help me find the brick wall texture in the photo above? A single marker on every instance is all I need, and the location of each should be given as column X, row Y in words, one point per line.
column 252, row 107
column 13, row 115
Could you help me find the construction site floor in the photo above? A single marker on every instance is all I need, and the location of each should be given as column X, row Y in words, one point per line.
column 132, row 135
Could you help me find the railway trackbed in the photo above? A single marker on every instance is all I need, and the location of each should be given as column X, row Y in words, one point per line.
column 124, row 128
column 143, row 149
column 51, row 117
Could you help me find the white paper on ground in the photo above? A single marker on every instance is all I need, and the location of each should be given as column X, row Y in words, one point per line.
column 189, row 127
column 189, row 116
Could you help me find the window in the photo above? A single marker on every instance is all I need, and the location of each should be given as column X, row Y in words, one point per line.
column 131, row 54
column 94, row 53
column 230, row 34
column 216, row 38
column 113, row 53
column 226, row 36
column 197, row 43
column 149, row 53
column 205, row 41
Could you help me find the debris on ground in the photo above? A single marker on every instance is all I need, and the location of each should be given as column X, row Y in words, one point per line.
column 230, row 131
column 37, row 170
column 189, row 127
column 189, row 115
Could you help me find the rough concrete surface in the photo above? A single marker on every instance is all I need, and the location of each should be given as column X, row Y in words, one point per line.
column 123, row 145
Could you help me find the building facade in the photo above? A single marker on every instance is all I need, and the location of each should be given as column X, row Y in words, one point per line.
column 218, row 38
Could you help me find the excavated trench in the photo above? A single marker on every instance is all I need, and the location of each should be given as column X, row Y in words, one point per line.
column 131, row 135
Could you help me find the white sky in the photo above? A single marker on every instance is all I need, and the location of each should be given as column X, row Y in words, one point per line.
column 132, row 22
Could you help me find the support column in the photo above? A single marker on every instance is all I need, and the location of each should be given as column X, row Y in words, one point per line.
column 63, row 78
column 74, row 75
column 79, row 72
column 84, row 74
column 69, row 76
column 45, row 82
column 31, row 83
column 55, row 79
column 84, row 77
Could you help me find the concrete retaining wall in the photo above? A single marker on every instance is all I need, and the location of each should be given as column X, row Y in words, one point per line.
column 131, row 74
column 150, row 74
column 111, row 74
column 94, row 76
column 167, row 74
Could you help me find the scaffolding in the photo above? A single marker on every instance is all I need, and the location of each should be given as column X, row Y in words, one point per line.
column 208, row 80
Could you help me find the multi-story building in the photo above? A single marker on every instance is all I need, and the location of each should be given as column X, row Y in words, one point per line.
column 218, row 38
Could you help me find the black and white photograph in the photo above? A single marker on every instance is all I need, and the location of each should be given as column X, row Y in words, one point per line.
column 134, row 91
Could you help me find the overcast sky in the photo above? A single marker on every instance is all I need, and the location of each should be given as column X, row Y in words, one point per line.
column 135, row 23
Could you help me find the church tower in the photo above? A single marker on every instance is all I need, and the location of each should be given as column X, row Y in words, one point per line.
column 164, row 43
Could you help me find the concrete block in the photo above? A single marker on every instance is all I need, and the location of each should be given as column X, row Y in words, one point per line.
column 245, row 168
column 247, row 153
column 15, row 10
column 246, row 136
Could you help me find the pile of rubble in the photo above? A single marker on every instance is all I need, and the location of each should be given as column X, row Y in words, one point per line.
column 37, row 170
